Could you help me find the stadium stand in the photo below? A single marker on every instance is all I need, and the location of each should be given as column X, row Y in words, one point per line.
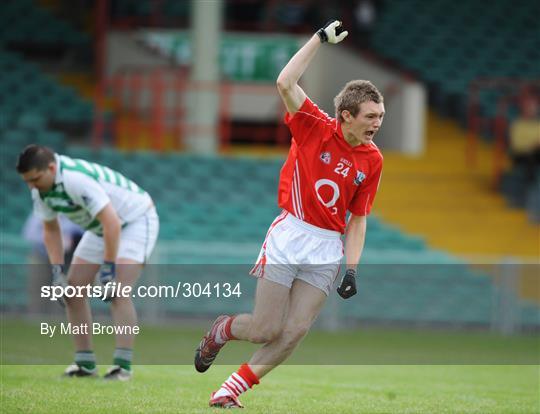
column 35, row 97
column 440, row 197
column 403, row 280
column 448, row 47
column 452, row 49
column 20, row 18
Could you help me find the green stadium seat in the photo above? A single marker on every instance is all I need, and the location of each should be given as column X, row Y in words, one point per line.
column 33, row 121
column 448, row 46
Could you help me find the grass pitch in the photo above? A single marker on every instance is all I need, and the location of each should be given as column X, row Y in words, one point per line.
column 288, row 389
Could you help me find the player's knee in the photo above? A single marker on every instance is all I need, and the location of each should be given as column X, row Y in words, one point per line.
column 121, row 302
column 75, row 302
column 293, row 334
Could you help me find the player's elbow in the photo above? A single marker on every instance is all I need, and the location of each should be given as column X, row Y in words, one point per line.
column 108, row 218
column 50, row 229
column 357, row 222
column 111, row 225
column 283, row 85
column 51, row 226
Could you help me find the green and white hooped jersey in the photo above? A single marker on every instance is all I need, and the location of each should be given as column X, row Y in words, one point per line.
column 82, row 189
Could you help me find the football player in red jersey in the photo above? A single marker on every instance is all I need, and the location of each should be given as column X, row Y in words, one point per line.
column 333, row 167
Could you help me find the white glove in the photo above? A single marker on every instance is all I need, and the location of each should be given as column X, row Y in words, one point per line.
column 332, row 32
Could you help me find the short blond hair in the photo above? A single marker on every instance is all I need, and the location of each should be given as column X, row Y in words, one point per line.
column 353, row 94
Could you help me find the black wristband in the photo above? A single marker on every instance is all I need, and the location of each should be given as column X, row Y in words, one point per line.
column 350, row 272
column 109, row 265
column 322, row 35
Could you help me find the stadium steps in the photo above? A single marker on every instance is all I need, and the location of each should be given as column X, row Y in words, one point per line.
column 438, row 196
column 454, row 207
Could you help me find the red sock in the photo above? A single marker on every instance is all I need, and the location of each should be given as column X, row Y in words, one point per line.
column 239, row 382
column 222, row 332
column 227, row 329
column 248, row 375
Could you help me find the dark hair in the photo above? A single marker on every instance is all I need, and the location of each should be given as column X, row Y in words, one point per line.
column 34, row 156
column 353, row 94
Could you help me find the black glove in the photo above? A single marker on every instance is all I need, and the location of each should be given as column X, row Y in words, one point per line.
column 347, row 287
column 332, row 32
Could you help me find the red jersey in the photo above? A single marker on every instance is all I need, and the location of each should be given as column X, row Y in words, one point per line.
column 324, row 176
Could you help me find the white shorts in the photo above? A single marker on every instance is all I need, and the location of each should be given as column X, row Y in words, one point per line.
column 294, row 249
column 137, row 240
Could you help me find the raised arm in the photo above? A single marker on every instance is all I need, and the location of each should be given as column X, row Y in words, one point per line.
column 287, row 82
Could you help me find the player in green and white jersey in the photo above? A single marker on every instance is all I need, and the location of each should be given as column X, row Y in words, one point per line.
column 121, row 231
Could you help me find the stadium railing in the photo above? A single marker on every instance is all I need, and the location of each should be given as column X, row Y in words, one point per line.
column 146, row 108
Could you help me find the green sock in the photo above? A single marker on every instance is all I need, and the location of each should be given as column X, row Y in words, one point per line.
column 85, row 359
column 122, row 358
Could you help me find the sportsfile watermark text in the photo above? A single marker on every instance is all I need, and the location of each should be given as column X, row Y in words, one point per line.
column 114, row 289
